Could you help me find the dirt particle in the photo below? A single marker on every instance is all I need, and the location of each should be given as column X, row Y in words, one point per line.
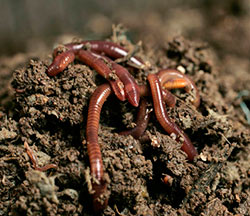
column 6, row 134
column 45, row 184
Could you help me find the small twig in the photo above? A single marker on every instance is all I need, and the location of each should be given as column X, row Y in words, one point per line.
column 243, row 105
column 117, row 211
column 34, row 159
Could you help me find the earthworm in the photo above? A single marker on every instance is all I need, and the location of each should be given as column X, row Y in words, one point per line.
column 34, row 159
column 168, row 97
column 130, row 86
column 110, row 49
column 95, row 158
column 60, row 62
column 141, row 121
column 102, row 68
column 166, row 75
column 161, row 115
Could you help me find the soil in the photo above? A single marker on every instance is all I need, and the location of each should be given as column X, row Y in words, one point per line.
column 49, row 114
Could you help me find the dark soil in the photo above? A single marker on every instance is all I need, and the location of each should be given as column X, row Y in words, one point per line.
column 49, row 113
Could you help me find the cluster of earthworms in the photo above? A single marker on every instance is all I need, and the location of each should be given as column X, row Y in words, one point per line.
column 100, row 55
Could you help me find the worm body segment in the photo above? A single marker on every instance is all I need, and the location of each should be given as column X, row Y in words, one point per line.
column 60, row 62
column 141, row 121
column 168, row 97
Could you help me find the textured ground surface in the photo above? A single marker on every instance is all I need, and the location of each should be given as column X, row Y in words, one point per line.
column 50, row 115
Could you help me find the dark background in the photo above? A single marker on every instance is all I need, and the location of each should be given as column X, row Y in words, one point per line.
column 30, row 25
column 29, row 29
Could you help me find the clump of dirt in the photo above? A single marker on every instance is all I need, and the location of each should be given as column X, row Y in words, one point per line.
column 49, row 113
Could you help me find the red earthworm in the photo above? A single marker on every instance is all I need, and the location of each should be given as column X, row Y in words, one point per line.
column 110, row 49
column 60, row 62
column 173, row 74
column 103, row 69
column 168, row 97
column 130, row 86
column 141, row 121
column 95, row 158
column 161, row 115
column 34, row 160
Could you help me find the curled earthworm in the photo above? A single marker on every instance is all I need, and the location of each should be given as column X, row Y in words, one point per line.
column 161, row 115
column 92, row 59
column 174, row 78
column 123, row 84
column 95, row 158
column 141, row 121
column 34, row 160
column 110, row 49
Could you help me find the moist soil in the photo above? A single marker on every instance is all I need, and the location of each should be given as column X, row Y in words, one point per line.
column 49, row 114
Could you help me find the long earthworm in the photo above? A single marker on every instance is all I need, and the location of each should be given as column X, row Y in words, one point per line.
column 110, row 49
column 166, row 75
column 141, row 121
column 95, row 158
column 161, row 115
